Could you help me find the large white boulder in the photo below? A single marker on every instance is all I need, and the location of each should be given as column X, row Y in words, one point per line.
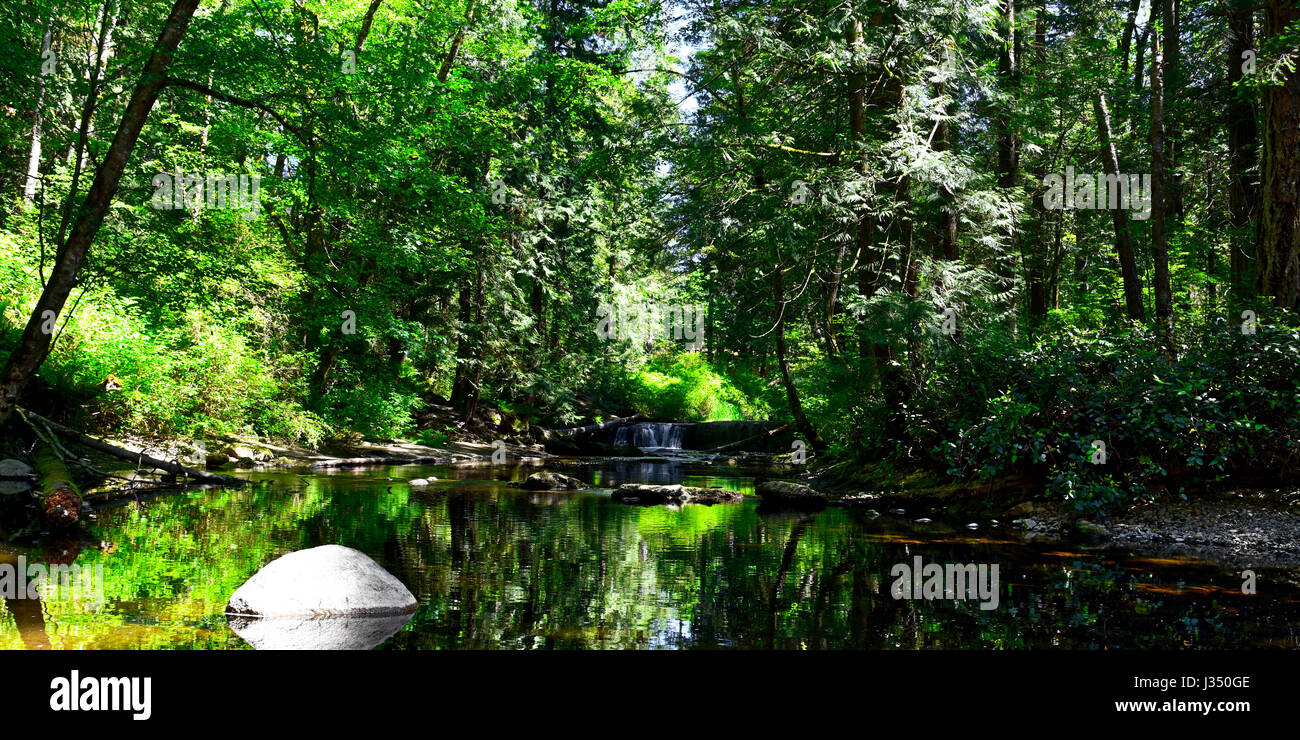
column 326, row 581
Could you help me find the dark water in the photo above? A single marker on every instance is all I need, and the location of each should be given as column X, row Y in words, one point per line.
column 498, row 568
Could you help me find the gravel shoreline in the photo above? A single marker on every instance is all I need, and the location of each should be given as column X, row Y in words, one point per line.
column 1237, row 534
column 1257, row 528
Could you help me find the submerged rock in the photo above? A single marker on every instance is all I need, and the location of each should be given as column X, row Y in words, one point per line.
column 15, row 476
column 548, row 481
column 323, row 581
column 1094, row 530
column 793, row 495
column 1024, row 508
column 648, row 494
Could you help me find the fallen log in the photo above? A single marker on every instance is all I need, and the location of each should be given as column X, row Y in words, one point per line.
column 139, row 458
column 760, row 435
column 573, row 431
column 358, row 462
column 60, row 499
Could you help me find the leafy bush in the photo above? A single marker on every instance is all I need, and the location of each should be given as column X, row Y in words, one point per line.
column 1225, row 402
column 371, row 405
column 685, row 387
column 432, row 437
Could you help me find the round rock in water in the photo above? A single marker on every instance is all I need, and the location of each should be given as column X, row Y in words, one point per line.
column 14, row 476
column 327, row 581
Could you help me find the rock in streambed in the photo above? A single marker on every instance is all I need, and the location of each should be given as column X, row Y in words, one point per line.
column 548, row 481
column 322, row 582
column 784, row 494
column 651, row 495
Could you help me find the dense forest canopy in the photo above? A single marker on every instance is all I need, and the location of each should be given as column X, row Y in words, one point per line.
column 978, row 235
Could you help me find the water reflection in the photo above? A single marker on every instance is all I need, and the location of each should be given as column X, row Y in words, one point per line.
column 28, row 617
column 325, row 633
column 495, row 567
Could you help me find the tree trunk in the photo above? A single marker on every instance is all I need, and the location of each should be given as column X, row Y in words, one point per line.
column 455, row 44
column 35, row 342
column 1008, row 147
column 1139, row 63
column 791, row 393
column 464, row 316
column 1081, row 261
column 1159, row 175
column 1038, row 269
column 364, row 31
column 1243, row 191
column 1279, row 248
column 476, row 382
column 1130, row 25
column 947, row 198
column 1171, row 74
column 1123, row 237
column 34, row 154
column 1058, row 253
column 833, row 281
column 868, row 258
column 87, row 126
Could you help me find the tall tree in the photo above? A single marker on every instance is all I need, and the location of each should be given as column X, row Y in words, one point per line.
column 1159, row 186
column 1243, row 189
column 1008, row 142
column 1133, row 305
column 35, row 341
column 34, row 151
column 1279, row 247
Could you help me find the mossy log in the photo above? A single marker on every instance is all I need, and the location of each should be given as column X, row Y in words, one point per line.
column 60, row 498
column 590, row 428
column 138, row 458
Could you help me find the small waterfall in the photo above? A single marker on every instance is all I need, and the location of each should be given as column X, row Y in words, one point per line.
column 652, row 435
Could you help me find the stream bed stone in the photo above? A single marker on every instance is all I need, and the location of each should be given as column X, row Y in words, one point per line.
column 646, row 494
column 325, row 581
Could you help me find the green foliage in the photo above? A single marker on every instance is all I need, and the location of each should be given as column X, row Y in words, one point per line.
column 473, row 212
column 1228, row 402
column 685, row 387
column 432, row 437
column 370, row 406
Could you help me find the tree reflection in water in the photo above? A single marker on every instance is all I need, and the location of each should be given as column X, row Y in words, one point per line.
column 499, row 568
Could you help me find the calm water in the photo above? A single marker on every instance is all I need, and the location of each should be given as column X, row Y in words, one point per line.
column 498, row 568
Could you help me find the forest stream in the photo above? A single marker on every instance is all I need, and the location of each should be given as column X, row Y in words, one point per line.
column 494, row 566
